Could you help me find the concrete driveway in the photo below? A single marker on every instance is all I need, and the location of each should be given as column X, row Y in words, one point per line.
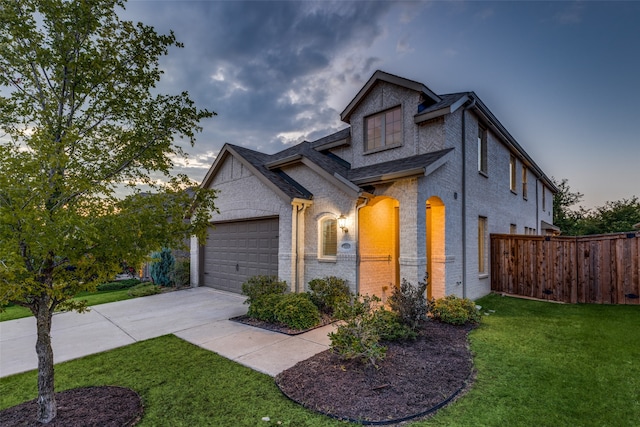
column 197, row 315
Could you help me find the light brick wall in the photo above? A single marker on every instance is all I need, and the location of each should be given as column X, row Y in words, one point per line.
column 241, row 195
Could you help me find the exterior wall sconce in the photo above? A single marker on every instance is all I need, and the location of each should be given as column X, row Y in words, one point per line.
column 342, row 223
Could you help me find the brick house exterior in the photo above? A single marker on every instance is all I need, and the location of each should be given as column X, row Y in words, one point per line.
column 414, row 185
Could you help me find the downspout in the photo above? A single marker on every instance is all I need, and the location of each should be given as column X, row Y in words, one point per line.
column 464, row 197
column 537, row 208
column 357, row 222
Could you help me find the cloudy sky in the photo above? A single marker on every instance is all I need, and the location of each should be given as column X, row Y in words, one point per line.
column 562, row 77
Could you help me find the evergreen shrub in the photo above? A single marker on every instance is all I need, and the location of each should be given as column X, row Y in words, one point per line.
column 297, row 311
column 161, row 269
column 455, row 310
column 327, row 293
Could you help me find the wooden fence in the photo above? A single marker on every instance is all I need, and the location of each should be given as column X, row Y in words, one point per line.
column 603, row 269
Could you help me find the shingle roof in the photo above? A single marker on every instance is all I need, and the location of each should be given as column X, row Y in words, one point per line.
column 283, row 181
column 378, row 171
column 447, row 100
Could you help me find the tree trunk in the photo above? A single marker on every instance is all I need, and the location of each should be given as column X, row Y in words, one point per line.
column 46, row 395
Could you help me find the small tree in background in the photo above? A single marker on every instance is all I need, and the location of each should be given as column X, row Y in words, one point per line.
column 163, row 267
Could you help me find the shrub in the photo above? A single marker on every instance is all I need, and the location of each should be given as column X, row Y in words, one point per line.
column 455, row 310
column 182, row 273
column 144, row 289
column 297, row 311
column 264, row 307
column 410, row 303
column 390, row 327
column 121, row 284
column 328, row 293
column 358, row 337
column 162, row 267
column 258, row 286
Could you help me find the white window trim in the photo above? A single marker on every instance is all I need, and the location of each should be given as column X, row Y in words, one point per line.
column 321, row 255
column 513, row 164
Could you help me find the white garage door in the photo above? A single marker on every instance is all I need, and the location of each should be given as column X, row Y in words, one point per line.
column 238, row 250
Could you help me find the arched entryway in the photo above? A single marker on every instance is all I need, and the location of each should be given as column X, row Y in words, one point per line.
column 436, row 258
column 379, row 247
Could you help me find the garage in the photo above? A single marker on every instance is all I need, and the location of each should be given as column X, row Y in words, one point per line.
column 237, row 250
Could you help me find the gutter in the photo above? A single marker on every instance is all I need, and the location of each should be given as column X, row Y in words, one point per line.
column 464, row 196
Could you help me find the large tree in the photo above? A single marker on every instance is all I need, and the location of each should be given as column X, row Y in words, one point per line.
column 81, row 130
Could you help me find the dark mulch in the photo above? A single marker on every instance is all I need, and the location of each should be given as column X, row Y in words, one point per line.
column 104, row 406
column 280, row 327
column 415, row 377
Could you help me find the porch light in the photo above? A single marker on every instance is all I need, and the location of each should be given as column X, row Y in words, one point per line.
column 342, row 223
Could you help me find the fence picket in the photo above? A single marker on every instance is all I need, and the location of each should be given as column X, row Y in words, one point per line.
column 602, row 269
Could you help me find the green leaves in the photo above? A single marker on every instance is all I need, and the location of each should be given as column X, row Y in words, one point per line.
column 80, row 122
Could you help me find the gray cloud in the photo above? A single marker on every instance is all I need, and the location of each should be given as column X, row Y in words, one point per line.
column 269, row 69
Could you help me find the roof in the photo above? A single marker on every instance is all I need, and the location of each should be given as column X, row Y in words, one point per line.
column 317, row 156
column 422, row 164
column 378, row 76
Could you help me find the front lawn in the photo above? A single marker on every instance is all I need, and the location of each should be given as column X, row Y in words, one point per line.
column 547, row 364
column 538, row 364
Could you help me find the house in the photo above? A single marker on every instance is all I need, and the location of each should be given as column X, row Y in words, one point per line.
column 414, row 184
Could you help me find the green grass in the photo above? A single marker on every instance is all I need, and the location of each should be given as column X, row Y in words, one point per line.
column 538, row 364
column 180, row 385
column 544, row 364
column 93, row 298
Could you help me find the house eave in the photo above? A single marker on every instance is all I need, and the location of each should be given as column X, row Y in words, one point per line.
column 333, row 144
column 423, row 117
column 287, row 161
column 377, row 179
column 389, row 78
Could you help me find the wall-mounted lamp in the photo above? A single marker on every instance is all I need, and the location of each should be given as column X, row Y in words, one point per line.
column 342, row 223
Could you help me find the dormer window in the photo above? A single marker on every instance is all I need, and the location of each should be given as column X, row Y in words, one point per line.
column 383, row 130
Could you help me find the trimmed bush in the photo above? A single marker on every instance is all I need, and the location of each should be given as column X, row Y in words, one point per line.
column 455, row 310
column 258, row 286
column 121, row 284
column 144, row 289
column 327, row 293
column 264, row 307
column 161, row 269
column 410, row 303
column 390, row 327
column 297, row 311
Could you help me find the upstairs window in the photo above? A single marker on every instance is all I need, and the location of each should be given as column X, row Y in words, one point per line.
column 512, row 173
column 544, row 198
column 524, row 182
column 328, row 238
column 482, row 245
column 383, row 129
column 482, row 150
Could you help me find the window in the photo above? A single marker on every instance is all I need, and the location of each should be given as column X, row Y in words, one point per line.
column 482, row 245
column 524, row 182
column 384, row 129
column 512, row 173
column 544, row 198
column 482, row 150
column 328, row 238
column 513, row 229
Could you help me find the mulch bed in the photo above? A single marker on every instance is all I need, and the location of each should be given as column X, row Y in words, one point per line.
column 104, row 406
column 280, row 327
column 415, row 379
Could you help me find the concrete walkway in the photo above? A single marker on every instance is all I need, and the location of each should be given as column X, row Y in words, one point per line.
column 197, row 315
